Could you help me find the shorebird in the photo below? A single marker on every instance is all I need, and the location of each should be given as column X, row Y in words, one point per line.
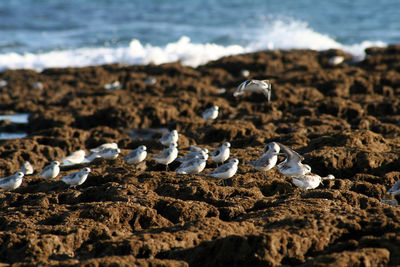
column 194, row 165
column 167, row 156
column 292, row 164
column 221, row 153
column 226, row 170
column 136, row 156
column 11, row 182
column 168, row 138
column 395, row 189
column 268, row 159
column 191, row 155
column 76, row 178
column 104, row 146
column 27, row 168
column 210, row 113
column 51, row 171
column 75, row 157
column 109, row 153
column 253, row 86
column 309, row 181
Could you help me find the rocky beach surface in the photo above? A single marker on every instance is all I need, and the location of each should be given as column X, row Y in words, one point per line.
column 343, row 118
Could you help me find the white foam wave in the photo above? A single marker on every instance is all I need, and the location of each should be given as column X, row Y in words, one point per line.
column 276, row 35
column 298, row 35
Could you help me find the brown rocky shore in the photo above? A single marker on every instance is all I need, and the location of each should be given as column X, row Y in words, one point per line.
column 344, row 119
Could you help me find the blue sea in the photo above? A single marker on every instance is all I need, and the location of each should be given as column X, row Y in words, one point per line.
column 52, row 33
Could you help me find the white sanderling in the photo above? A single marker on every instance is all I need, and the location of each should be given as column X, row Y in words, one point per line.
column 27, row 168
column 309, row 181
column 194, row 165
column 336, row 60
column 75, row 157
column 292, row 164
column 226, row 170
column 168, row 138
column 245, row 73
column 136, row 156
column 113, row 86
column 210, row 113
column 221, row 153
column 194, row 148
column 254, row 85
column 395, row 189
column 268, row 159
column 167, row 156
column 51, row 171
column 109, row 153
column 150, row 81
column 11, row 182
column 104, row 146
column 76, row 178
column 97, row 152
column 38, row 86
column 191, row 155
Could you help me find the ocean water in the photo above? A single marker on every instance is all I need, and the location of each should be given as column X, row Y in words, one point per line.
column 49, row 33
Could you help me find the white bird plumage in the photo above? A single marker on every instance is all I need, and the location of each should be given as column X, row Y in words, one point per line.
column 191, row 155
column 221, row 153
column 268, row 160
column 51, row 171
column 104, row 146
column 12, row 182
column 75, row 157
column 194, row 165
column 292, row 164
column 109, row 153
column 263, row 86
column 210, row 113
column 137, row 155
column 309, row 181
column 169, row 138
column 167, row 156
column 226, row 170
column 76, row 178
column 27, row 168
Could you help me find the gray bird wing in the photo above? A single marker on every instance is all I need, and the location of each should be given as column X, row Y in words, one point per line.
column 132, row 154
column 216, row 152
column 267, row 93
column 395, row 187
column 165, row 137
column 291, row 154
column 241, row 87
column 46, row 168
column 71, row 176
column 222, row 168
column 163, row 154
column 6, row 179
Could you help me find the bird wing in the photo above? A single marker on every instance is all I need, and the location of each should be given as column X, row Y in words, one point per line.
column 291, row 154
column 163, row 154
column 132, row 154
column 222, row 168
column 46, row 168
column 241, row 87
column 394, row 188
column 267, row 93
column 6, row 180
column 216, row 152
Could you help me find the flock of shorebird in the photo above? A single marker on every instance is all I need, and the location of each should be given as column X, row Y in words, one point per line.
column 192, row 163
